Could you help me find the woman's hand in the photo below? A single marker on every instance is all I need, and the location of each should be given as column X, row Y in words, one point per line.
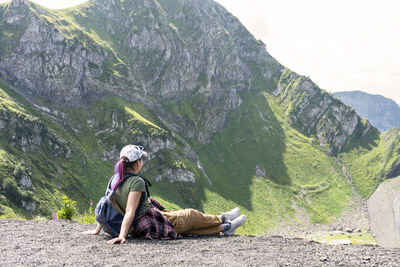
column 116, row 240
column 91, row 232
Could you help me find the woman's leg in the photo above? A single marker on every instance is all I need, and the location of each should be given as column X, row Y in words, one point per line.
column 213, row 230
column 189, row 220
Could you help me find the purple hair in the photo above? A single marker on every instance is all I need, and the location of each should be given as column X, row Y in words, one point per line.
column 119, row 169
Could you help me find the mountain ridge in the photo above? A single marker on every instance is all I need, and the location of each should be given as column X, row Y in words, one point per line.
column 381, row 111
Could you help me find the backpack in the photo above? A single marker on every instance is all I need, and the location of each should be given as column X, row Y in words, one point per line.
column 108, row 213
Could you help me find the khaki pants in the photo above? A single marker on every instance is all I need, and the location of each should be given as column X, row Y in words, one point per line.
column 193, row 222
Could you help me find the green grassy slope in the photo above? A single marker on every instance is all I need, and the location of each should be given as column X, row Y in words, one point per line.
column 296, row 181
column 84, row 174
column 371, row 160
column 51, row 171
column 299, row 177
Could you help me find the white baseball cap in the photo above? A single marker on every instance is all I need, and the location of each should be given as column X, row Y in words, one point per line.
column 132, row 152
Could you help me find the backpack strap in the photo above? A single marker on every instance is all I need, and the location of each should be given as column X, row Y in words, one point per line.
column 147, row 184
column 139, row 207
column 108, row 188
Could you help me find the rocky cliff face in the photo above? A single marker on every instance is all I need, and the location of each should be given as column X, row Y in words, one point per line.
column 44, row 61
column 316, row 112
column 153, row 49
column 29, row 135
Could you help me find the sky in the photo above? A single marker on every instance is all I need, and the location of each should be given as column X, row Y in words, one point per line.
column 342, row 45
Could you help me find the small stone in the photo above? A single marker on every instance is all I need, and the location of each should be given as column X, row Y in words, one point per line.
column 324, row 258
column 344, row 242
column 25, row 182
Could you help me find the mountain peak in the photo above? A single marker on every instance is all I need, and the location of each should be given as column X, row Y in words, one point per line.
column 18, row 3
column 17, row 11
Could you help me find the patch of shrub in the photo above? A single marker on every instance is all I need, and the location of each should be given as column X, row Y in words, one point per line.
column 26, row 195
column 88, row 217
column 11, row 190
column 67, row 210
column 19, row 170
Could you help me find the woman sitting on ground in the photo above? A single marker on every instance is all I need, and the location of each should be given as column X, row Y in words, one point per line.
column 153, row 220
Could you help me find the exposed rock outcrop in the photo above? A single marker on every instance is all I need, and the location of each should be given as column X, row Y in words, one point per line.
column 316, row 112
column 49, row 60
column 384, row 213
column 25, row 182
column 48, row 64
column 394, row 172
column 28, row 134
column 29, row 206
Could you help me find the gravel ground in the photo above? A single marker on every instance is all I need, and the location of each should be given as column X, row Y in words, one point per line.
column 58, row 243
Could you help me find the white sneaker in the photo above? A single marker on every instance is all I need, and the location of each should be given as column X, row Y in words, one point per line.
column 235, row 224
column 231, row 215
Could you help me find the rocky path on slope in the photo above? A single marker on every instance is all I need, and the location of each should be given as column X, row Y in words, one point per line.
column 58, row 243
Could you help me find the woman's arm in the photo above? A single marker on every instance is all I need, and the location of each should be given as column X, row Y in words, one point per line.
column 131, row 206
column 93, row 232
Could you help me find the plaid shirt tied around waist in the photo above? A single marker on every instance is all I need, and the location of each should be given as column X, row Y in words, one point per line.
column 153, row 224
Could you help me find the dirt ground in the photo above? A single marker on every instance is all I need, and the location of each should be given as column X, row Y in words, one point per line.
column 60, row 243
